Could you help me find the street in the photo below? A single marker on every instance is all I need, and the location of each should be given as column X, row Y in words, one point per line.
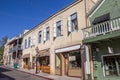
column 11, row 74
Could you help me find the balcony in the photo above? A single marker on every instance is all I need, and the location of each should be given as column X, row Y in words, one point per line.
column 15, row 48
column 105, row 30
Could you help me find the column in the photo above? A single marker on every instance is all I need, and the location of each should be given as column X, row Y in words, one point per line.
column 52, row 62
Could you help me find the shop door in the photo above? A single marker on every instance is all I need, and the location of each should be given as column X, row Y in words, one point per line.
column 65, row 61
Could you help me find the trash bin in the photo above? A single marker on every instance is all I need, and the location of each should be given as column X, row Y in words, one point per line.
column 15, row 65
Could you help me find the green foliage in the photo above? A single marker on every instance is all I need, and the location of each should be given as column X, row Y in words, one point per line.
column 2, row 43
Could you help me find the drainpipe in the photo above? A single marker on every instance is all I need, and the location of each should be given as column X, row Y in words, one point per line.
column 87, row 63
column 87, row 48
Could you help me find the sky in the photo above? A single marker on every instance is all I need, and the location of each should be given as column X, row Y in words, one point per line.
column 18, row 15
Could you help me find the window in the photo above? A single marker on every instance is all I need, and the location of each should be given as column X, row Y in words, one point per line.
column 57, row 61
column 29, row 41
column 39, row 36
column 46, row 34
column 33, row 40
column 72, row 22
column 44, row 61
column 74, row 60
column 111, row 65
column 58, row 29
column 25, row 44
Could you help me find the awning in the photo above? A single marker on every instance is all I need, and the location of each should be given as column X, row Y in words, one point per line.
column 101, row 18
column 26, row 56
column 67, row 49
column 45, row 52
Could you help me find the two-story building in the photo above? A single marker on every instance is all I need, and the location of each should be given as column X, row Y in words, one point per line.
column 14, row 50
column 102, row 39
column 55, row 44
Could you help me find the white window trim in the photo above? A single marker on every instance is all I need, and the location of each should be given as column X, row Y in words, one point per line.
column 32, row 40
column 45, row 33
column 39, row 36
column 54, row 30
column 69, row 24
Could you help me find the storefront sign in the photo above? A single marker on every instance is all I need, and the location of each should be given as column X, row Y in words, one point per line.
column 72, row 58
column 71, row 48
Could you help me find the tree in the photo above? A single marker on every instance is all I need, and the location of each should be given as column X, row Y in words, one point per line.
column 2, row 43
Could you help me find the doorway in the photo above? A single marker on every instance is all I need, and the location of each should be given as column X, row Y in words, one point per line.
column 65, row 63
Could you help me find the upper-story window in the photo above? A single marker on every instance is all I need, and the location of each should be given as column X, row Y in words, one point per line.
column 58, row 29
column 29, row 41
column 72, row 22
column 46, row 33
column 39, row 36
column 33, row 40
column 25, row 44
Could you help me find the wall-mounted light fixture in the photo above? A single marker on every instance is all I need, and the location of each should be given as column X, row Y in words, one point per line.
column 110, row 49
column 97, row 49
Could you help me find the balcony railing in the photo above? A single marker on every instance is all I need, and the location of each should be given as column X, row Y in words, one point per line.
column 102, row 28
column 15, row 48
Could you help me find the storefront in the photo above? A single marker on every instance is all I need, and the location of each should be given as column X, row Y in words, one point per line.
column 106, row 60
column 43, row 61
column 68, row 61
column 26, row 60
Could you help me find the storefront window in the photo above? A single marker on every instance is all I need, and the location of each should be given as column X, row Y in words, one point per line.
column 111, row 65
column 44, row 61
column 58, row 61
column 74, row 60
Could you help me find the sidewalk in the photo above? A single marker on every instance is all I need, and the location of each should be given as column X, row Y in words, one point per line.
column 45, row 75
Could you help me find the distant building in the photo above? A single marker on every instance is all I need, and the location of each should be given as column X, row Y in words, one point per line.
column 13, row 50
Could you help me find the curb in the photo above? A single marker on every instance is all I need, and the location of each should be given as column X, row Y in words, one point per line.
column 30, row 73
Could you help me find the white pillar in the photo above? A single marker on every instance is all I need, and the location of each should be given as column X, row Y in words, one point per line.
column 87, row 60
column 52, row 62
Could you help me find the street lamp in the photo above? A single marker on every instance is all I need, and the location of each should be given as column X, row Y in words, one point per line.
column 37, row 51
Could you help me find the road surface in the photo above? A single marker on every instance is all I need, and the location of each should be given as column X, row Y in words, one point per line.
column 11, row 74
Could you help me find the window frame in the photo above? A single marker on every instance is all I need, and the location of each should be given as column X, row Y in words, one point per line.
column 40, row 37
column 29, row 41
column 73, row 54
column 25, row 44
column 59, row 28
column 47, row 33
column 104, row 74
column 73, row 21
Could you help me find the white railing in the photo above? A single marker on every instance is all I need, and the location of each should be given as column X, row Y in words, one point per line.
column 15, row 48
column 102, row 28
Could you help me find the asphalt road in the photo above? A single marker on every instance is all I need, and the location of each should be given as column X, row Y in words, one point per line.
column 11, row 74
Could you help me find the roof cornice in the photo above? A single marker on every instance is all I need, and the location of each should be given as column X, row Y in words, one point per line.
column 54, row 15
column 94, row 7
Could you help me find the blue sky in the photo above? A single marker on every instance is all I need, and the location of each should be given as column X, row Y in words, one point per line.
column 17, row 15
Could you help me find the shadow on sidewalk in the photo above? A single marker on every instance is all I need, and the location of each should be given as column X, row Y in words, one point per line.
column 4, row 76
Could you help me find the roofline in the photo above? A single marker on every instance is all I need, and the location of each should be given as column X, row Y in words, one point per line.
column 54, row 15
column 94, row 7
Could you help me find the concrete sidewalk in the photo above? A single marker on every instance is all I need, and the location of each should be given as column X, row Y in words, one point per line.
column 45, row 75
